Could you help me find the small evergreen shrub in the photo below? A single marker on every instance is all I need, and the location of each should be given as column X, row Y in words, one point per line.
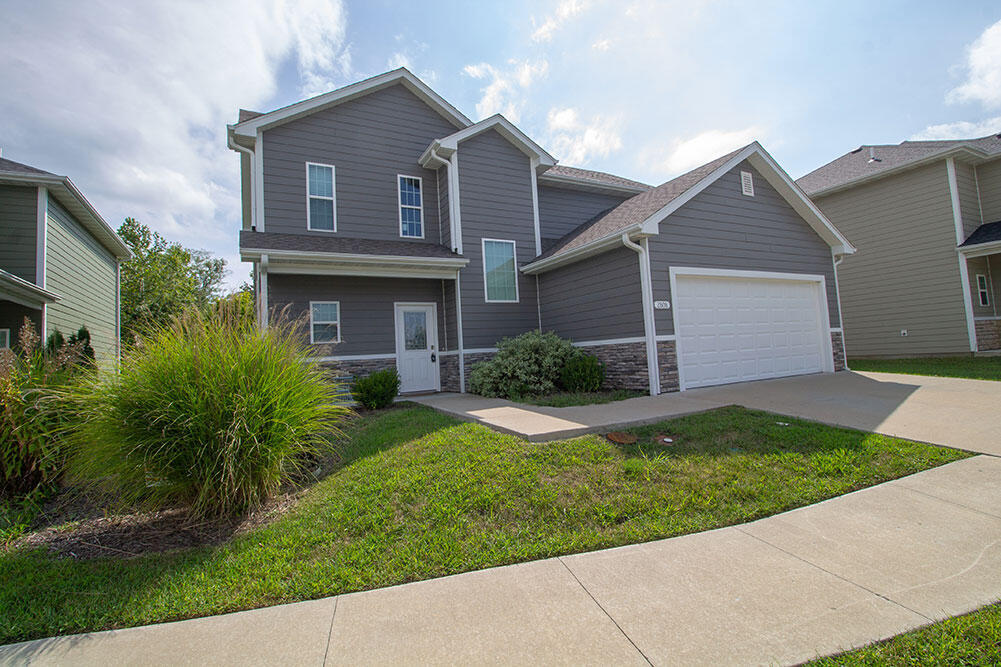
column 209, row 411
column 529, row 364
column 378, row 389
column 583, row 373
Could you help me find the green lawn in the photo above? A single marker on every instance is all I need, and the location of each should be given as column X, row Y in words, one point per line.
column 977, row 368
column 421, row 495
column 568, row 399
column 974, row 639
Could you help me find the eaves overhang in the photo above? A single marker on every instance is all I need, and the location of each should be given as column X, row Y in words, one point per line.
column 980, row 249
column 20, row 291
column 351, row 264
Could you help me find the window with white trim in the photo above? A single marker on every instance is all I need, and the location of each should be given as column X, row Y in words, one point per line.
column 4, row 339
column 324, row 322
column 321, row 212
column 411, row 206
column 500, row 271
column 983, row 290
column 746, row 183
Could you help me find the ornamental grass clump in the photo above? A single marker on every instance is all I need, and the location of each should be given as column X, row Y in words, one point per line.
column 208, row 412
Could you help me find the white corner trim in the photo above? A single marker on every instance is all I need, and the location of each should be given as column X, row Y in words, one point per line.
column 964, row 272
column 41, row 235
column 534, row 164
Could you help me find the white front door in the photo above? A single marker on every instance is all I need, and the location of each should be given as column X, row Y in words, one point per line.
column 417, row 346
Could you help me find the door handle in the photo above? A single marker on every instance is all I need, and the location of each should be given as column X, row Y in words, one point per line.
column 433, row 358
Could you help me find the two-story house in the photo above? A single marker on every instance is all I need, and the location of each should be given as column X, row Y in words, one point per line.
column 926, row 216
column 410, row 236
column 59, row 261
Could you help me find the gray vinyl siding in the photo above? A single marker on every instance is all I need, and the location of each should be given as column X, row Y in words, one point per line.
column 561, row 210
column 989, row 179
column 724, row 229
column 969, row 201
column 366, row 306
column 246, row 190
column 594, row 299
column 906, row 273
column 979, row 265
column 12, row 317
column 19, row 230
column 84, row 274
column 451, row 331
column 369, row 141
column 994, row 276
column 441, row 180
column 495, row 195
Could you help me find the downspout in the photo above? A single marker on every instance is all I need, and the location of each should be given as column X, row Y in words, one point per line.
column 646, row 289
column 841, row 314
column 253, row 180
column 453, row 207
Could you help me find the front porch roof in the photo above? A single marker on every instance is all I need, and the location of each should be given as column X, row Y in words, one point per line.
column 985, row 240
column 20, row 291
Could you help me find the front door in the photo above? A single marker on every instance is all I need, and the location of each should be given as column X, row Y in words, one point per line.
column 417, row 346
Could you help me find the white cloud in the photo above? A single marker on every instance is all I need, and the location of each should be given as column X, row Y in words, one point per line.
column 983, row 65
column 131, row 100
column 575, row 142
column 399, row 60
column 959, row 130
column 601, row 45
column 686, row 154
column 565, row 10
column 505, row 89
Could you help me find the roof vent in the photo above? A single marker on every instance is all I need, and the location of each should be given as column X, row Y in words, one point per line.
column 746, row 183
column 872, row 155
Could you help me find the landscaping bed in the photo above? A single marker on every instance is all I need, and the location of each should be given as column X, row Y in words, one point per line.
column 421, row 495
column 974, row 368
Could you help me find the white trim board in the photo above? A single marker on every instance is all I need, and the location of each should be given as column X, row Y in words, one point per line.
column 964, row 272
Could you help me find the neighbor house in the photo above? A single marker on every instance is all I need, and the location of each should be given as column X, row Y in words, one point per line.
column 59, row 260
column 410, row 236
column 926, row 216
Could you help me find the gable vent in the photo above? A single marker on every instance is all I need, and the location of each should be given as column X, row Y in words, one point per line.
column 746, row 183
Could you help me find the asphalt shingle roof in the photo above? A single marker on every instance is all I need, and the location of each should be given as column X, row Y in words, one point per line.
column 855, row 165
column 598, row 177
column 340, row 245
column 985, row 233
column 17, row 168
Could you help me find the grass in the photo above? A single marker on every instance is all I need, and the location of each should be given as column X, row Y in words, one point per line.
column 568, row 399
column 973, row 639
column 422, row 495
column 976, row 368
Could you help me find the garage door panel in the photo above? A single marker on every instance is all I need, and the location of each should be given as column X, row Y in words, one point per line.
column 739, row 329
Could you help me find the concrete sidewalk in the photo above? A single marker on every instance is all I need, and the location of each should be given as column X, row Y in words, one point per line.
column 945, row 411
column 814, row 581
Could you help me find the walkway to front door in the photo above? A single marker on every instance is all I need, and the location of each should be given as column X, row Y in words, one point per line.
column 417, row 346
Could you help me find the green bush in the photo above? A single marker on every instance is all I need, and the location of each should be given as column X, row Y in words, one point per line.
column 529, row 364
column 378, row 389
column 583, row 372
column 209, row 412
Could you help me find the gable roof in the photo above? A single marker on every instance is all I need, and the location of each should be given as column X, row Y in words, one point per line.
column 249, row 124
column 446, row 146
column 857, row 166
column 986, row 233
column 67, row 194
column 642, row 214
column 561, row 174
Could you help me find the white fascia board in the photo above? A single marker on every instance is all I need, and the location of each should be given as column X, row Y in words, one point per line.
column 19, row 290
column 402, row 260
column 249, row 128
column 497, row 122
column 595, row 247
column 981, row 249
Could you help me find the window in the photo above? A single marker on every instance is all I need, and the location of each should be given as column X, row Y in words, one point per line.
column 411, row 221
column 500, row 274
column 747, row 183
column 982, row 290
column 4, row 339
column 324, row 322
column 320, row 209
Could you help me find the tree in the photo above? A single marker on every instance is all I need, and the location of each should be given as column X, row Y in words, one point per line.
column 163, row 279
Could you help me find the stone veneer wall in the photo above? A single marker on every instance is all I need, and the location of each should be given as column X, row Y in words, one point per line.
column 837, row 346
column 473, row 358
column 625, row 365
column 667, row 359
column 448, row 366
column 359, row 367
column 988, row 334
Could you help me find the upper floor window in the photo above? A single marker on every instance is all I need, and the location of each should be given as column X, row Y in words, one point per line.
column 983, row 291
column 500, row 273
column 4, row 339
column 324, row 322
column 411, row 207
column 320, row 209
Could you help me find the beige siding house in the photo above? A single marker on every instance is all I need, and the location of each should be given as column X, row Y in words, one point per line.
column 926, row 219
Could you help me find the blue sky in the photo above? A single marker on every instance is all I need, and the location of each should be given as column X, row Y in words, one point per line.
column 131, row 99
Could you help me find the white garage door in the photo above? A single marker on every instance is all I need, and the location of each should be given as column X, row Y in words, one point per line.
column 734, row 329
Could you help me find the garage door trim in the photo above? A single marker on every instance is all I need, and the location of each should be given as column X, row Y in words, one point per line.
column 819, row 281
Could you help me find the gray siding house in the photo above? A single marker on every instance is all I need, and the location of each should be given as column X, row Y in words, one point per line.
column 59, row 260
column 927, row 218
column 409, row 236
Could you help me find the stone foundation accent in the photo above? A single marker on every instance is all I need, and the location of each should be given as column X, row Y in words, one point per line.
column 448, row 366
column 472, row 359
column 625, row 365
column 667, row 360
column 352, row 368
column 838, row 348
column 988, row 334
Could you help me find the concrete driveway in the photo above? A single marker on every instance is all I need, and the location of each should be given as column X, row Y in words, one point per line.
column 944, row 411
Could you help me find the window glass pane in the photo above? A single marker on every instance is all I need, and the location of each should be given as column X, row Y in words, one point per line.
column 324, row 333
column 410, row 191
column 415, row 335
column 325, row 312
column 498, row 258
column 321, row 213
column 321, row 181
column 411, row 225
column 4, row 338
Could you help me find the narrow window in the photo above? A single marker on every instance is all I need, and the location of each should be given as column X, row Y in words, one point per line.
column 500, row 274
column 324, row 322
column 411, row 220
column 4, row 339
column 320, row 209
column 746, row 183
column 982, row 290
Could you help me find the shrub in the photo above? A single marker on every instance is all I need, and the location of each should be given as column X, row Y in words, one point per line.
column 208, row 411
column 32, row 451
column 529, row 364
column 378, row 389
column 583, row 372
